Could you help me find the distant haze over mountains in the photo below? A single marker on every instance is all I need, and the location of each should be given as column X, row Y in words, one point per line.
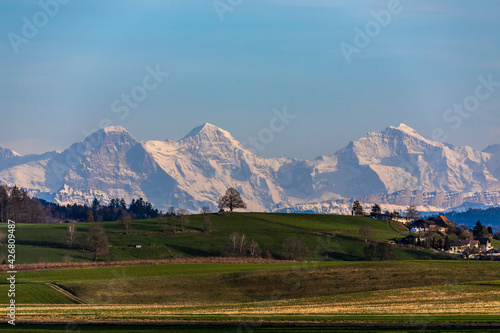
column 396, row 167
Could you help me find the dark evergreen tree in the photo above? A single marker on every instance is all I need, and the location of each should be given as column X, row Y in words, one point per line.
column 376, row 209
column 447, row 243
column 480, row 231
column 357, row 209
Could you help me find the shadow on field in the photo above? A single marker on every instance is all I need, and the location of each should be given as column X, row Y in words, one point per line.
column 332, row 255
column 194, row 252
column 42, row 243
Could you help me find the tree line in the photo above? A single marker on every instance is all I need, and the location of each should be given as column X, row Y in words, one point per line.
column 17, row 205
column 357, row 209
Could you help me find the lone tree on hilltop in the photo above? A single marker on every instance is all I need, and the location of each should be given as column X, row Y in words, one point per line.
column 231, row 199
column 357, row 209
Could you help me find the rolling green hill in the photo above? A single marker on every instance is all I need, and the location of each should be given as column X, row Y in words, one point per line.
column 328, row 237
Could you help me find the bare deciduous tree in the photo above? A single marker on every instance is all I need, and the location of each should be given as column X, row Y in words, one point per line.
column 163, row 222
column 412, row 213
column 231, row 199
column 207, row 219
column 366, row 232
column 236, row 244
column 254, row 249
column 171, row 213
column 97, row 240
column 71, row 234
column 182, row 213
column 295, row 248
column 126, row 222
column 67, row 259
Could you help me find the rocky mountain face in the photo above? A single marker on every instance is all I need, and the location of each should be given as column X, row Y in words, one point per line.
column 396, row 167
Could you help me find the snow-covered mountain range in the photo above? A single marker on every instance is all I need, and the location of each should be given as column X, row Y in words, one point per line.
column 395, row 168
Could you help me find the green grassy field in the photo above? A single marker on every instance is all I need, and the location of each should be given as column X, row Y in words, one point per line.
column 354, row 292
column 329, row 237
column 33, row 293
column 256, row 328
column 173, row 284
column 333, row 286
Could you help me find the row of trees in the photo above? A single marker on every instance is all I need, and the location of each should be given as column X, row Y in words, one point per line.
column 481, row 231
column 238, row 245
column 114, row 211
column 96, row 239
column 173, row 219
column 411, row 211
column 17, row 205
column 117, row 208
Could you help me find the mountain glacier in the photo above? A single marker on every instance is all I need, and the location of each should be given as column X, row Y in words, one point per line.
column 395, row 167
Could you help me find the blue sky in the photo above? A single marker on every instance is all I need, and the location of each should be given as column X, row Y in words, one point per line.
column 263, row 56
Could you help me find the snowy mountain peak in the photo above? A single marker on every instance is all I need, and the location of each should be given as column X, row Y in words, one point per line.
column 404, row 128
column 104, row 141
column 493, row 149
column 114, row 129
column 110, row 134
column 195, row 171
column 210, row 132
column 7, row 153
column 409, row 131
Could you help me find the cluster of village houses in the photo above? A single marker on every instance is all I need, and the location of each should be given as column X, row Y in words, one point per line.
column 423, row 233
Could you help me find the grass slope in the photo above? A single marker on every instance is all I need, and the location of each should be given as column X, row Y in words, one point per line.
column 33, row 294
column 329, row 237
